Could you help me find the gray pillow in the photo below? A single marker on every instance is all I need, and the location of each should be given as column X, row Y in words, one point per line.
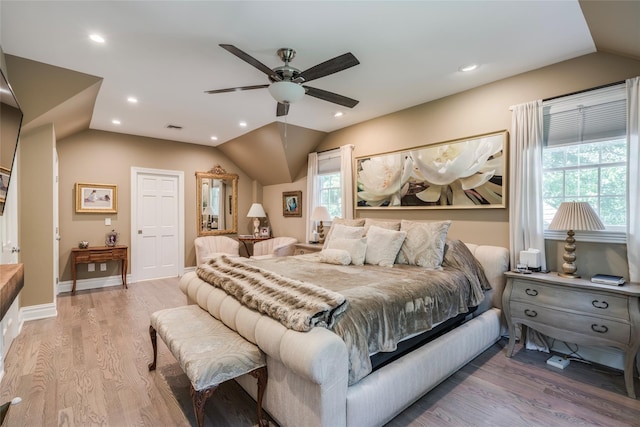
column 425, row 242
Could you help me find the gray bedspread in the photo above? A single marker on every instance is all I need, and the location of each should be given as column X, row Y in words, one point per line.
column 388, row 304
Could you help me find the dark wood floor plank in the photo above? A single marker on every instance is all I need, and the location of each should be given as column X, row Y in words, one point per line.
column 88, row 366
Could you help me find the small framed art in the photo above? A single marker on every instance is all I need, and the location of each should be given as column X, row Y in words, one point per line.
column 292, row 203
column 96, row 198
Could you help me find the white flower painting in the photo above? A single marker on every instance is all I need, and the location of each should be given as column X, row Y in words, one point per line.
column 456, row 174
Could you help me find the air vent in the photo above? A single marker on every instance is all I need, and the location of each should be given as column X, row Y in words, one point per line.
column 174, row 127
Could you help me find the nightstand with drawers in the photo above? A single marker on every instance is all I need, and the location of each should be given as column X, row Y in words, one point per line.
column 576, row 311
column 307, row 248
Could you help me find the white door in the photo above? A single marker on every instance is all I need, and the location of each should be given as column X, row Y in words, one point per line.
column 158, row 245
column 56, row 227
column 9, row 221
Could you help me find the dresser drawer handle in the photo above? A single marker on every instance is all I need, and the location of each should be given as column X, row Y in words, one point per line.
column 601, row 329
column 531, row 292
column 600, row 304
column 530, row 313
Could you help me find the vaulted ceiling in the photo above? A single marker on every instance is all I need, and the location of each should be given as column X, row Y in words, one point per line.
column 166, row 54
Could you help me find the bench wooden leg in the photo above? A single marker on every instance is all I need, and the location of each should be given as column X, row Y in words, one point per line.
column 261, row 375
column 199, row 400
column 154, row 344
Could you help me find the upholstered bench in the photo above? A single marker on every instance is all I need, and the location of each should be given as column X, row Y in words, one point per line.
column 208, row 352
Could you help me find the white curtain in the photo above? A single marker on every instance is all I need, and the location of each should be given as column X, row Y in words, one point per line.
column 346, row 176
column 526, row 228
column 312, row 182
column 633, row 178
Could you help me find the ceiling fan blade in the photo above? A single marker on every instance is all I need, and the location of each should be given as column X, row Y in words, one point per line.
column 251, row 60
column 331, row 97
column 236, row 89
column 282, row 110
column 331, row 66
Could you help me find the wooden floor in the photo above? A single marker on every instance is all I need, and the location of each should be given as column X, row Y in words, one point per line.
column 88, row 366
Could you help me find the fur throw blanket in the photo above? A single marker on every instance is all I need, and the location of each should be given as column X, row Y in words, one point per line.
column 297, row 305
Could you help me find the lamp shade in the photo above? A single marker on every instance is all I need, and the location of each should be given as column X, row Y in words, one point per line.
column 208, row 211
column 320, row 213
column 286, row 92
column 576, row 216
column 256, row 211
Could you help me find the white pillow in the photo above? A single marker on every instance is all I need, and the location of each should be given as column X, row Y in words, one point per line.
column 336, row 221
column 357, row 248
column 335, row 256
column 425, row 242
column 341, row 231
column 383, row 246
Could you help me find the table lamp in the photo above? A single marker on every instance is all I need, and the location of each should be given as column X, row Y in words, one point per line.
column 256, row 211
column 574, row 216
column 320, row 213
column 208, row 211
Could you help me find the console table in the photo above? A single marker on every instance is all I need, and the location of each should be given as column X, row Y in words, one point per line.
column 577, row 311
column 99, row 254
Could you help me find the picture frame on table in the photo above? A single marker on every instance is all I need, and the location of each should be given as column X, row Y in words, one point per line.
column 96, row 198
column 265, row 232
column 292, row 203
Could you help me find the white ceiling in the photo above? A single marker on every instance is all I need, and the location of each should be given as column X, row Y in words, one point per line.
column 166, row 54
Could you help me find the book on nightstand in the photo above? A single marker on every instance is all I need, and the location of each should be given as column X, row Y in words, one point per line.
column 607, row 279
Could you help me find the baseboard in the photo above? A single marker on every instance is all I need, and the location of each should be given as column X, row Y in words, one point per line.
column 97, row 283
column 188, row 270
column 35, row 312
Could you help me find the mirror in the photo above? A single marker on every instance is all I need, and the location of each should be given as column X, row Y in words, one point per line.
column 216, row 202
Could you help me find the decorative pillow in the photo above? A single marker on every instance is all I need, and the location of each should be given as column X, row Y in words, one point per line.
column 389, row 224
column 425, row 243
column 383, row 246
column 340, row 231
column 336, row 221
column 335, row 256
column 357, row 248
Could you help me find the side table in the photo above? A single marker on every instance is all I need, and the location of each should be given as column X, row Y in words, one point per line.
column 249, row 238
column 99, row 254
column 307, row 248
column 577, row 311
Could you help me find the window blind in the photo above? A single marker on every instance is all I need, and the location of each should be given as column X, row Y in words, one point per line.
column 329, row 162
column 586, row 117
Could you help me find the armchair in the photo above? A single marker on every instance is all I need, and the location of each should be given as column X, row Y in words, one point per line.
column 278, row 246
column 208, row 246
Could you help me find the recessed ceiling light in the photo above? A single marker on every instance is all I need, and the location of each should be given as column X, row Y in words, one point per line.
column 243, row 124
column 115, row 121
column 96, row 38
column 338, row 114
column 132, row 100
column 214, row 138
column 470, row 67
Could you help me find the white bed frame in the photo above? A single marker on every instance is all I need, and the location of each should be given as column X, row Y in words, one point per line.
column 308, row 371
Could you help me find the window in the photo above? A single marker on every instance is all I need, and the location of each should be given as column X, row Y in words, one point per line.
column 584, row 156
column 329, row 188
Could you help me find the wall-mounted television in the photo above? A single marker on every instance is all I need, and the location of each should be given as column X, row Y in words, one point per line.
column 10, row 123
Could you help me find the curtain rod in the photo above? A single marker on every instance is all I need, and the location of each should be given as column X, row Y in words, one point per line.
column 583, row 91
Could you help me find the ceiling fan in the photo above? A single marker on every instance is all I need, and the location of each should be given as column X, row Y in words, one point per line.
column 286, row 81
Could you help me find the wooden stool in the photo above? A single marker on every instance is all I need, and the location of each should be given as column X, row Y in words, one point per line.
column 209, row 353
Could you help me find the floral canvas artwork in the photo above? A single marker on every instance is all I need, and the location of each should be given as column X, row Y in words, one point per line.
column 464, row 173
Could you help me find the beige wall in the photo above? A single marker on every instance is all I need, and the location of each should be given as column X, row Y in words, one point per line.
column 107, row 158
column 272, row 203
column 36, row 231
column 482, row 110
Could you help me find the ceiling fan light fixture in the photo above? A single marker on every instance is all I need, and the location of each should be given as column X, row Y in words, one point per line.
column 286, row 92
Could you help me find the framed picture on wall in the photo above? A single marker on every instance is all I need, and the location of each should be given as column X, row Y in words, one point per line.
column 292, row 203
column 96, row 198
column 4, row 180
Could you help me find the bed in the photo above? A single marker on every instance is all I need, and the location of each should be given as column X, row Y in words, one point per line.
column 324, row 368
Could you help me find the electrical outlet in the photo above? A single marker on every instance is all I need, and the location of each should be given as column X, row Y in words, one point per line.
column 91, row 267
column 103, row 266
column 558, row 362
column 107, row 221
